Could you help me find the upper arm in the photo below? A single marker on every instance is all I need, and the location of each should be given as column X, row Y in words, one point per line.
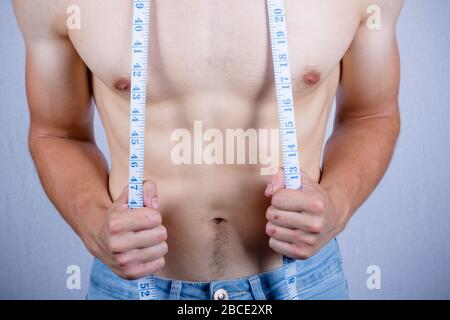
column 370, row 78
column 57, row 80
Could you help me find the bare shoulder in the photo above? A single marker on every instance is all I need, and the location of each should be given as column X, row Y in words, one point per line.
column 388, row 10
column 41, row 19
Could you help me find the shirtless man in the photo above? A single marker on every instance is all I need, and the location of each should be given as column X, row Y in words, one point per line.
column 207, row 229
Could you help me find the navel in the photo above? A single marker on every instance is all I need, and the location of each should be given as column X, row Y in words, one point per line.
column 123, row 84
column 217, row 221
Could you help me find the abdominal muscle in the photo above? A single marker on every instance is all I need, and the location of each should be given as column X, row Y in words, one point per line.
column 214, row 214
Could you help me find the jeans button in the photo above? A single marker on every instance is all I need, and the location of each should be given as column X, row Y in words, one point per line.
column 221, row 294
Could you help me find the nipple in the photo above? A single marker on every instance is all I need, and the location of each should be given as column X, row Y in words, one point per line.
column 123, row 84
column 311, row 78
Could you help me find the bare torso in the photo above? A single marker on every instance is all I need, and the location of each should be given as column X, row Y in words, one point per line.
column 210, row 61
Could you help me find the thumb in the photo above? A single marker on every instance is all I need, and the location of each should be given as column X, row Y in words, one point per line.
column 275, row 183
column 122, row 199
column 150, row 192
column 306, row 179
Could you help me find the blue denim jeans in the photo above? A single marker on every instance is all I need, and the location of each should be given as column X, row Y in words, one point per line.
column 318, row 278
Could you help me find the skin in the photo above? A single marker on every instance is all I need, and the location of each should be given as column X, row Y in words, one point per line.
column 207, row 222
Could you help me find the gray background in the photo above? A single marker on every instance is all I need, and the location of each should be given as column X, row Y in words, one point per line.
column 403, row 227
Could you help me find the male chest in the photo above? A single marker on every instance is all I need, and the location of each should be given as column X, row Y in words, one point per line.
column 210, row 45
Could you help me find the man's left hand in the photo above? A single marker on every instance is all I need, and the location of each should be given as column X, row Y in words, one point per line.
column 302, row 221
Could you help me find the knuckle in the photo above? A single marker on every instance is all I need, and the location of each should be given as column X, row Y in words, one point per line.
column 162, row 234
column 269, row 213
column 316, row 226
column 153, row 215
column 165, row 248
column 122, row 261
column 116, row 246
column 157, row 265
column 115, row 226
column 272, row 243
column 310, row 241
column 160, row 263
column 277, row 199
column 270, row 229
column 319, row 206
column 272, row 214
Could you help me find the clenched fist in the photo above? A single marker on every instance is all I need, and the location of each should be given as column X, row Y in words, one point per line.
column 133, row 242
column 300, row 222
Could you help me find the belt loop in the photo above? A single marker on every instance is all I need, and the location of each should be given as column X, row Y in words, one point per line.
column 257, row 290
column 175, row 290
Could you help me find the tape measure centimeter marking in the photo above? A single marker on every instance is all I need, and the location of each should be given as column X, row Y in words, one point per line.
column 138, row 103
column 285, row 98
column 138, row 100
column 286, row 113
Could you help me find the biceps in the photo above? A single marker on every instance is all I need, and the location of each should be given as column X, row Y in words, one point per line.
column 370, row 76
column 58, row 91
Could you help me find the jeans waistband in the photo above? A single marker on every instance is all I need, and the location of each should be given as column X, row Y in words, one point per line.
column 265, row 285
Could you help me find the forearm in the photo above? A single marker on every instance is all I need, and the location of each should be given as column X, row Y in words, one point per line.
column 356, row 157
column 74, row 174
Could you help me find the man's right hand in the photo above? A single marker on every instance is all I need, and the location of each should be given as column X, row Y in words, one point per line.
column 133, row 242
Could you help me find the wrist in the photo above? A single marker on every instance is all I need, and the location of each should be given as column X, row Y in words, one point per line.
column 340, row 203
column 90, row 229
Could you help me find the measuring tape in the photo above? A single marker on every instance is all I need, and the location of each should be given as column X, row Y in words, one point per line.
column 138, row 99
column 286, row 114
column 138, row 102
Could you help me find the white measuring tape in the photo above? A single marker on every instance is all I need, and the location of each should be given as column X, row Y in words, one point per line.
column 286, row 114
column 285, row 99
column 283, row 83
column 138, row 102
